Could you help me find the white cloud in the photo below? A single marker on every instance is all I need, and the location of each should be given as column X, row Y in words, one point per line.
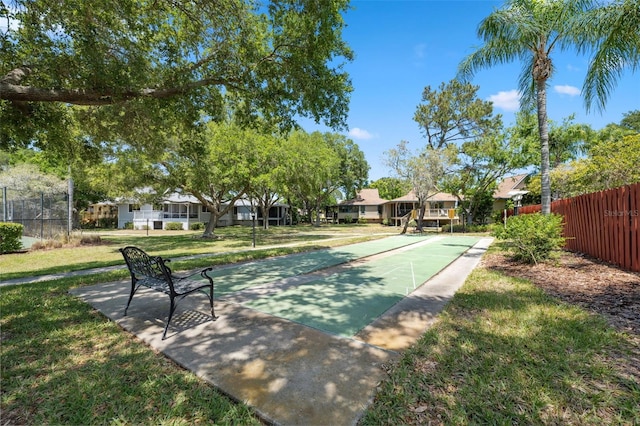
column 508, row 101
column 420, row 50
column 357, row 133
column 567, row 90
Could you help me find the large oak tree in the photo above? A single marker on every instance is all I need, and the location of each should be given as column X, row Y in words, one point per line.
column 131, row 70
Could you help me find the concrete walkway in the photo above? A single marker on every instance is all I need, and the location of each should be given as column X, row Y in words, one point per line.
column 289, row 373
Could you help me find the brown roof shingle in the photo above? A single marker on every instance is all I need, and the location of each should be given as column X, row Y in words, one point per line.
column 366, row 197
column 509, row 184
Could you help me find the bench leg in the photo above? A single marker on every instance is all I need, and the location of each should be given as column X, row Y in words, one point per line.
column 213, row 314
column 133, row 290
column 171, row 310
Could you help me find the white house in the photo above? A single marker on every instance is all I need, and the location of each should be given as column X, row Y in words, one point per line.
column 186, row 210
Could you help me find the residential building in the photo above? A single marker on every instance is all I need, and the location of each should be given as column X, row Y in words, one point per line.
column 437, row 212
column 506, row 190
column 366, row 206
column 186, row 209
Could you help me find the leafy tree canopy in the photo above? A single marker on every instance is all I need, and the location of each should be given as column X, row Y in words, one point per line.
column 129, row 71
column 631, row 121
column 26, row 180
column 390, row 188
column 453, row 113
column 354, row 168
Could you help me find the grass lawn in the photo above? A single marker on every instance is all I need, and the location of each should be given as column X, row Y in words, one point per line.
column 173, row 244
column 502, row 353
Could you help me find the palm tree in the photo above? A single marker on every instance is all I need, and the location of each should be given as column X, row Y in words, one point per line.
column 529, row 30
column 615, row 34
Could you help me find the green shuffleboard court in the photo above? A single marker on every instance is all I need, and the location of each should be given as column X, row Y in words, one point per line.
column 346, row 302
column 239, row 277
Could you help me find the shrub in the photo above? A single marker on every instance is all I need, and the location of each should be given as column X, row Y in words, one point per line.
column 348, row 219
column 386, row 222
column 197, row 226
column 10, row 237
column 173, row 226
column 128, row 225
column 532, row 237
column 89, row 240
column 362, row 220
column 46, row 245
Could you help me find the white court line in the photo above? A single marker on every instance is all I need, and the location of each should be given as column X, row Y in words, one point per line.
column 413, row 275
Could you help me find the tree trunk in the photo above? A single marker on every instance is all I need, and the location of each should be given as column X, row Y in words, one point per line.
column 265, row 216
column 211, row 226
column 544, row 146
column 317, row 214
column 420, row 216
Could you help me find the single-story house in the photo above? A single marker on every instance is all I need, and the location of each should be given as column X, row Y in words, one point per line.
column 436, row 212
column 366, row 206
column 186, row 209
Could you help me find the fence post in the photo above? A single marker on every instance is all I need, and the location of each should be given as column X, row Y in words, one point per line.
column 4, row 203
column 70, row 208
column 42, row 215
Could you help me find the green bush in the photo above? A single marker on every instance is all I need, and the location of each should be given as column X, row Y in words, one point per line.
column 532, row 238
column 173, row 226
column 10, row 237
column 197, row 226
column 362, row 220
column 128, row 225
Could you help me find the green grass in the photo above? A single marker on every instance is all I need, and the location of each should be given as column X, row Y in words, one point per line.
column 63, row 363
column 504, row 353
column 176, row 244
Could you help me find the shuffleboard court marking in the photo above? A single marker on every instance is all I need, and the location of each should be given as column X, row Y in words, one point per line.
column 413, row 275
column 247, row 291
column 251, row 275
column 345, row 302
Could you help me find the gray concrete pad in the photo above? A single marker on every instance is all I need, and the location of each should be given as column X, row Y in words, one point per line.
column 291, row 374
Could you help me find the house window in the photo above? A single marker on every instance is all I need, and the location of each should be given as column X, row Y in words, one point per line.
column 348, row 209
column 362, row 209
column 134, row 207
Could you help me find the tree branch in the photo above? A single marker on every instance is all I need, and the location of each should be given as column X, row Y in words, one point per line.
column 11, row 91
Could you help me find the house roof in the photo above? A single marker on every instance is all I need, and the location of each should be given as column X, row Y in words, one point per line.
column 411, row 197
column 509, row 184
column 366, row 197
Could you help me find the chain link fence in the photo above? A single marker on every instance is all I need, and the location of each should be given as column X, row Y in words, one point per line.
column 44, row 216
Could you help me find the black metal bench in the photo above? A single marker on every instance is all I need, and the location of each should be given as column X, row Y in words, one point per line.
column 152, row 272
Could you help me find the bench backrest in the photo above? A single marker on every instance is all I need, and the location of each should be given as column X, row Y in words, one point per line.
column 144, row 267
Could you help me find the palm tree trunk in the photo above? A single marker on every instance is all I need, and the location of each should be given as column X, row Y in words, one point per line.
column 543, row 129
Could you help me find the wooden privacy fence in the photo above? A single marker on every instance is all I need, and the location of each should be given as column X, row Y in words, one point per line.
column 605, row 224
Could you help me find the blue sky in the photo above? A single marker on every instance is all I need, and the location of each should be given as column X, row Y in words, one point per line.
column 403, row 46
